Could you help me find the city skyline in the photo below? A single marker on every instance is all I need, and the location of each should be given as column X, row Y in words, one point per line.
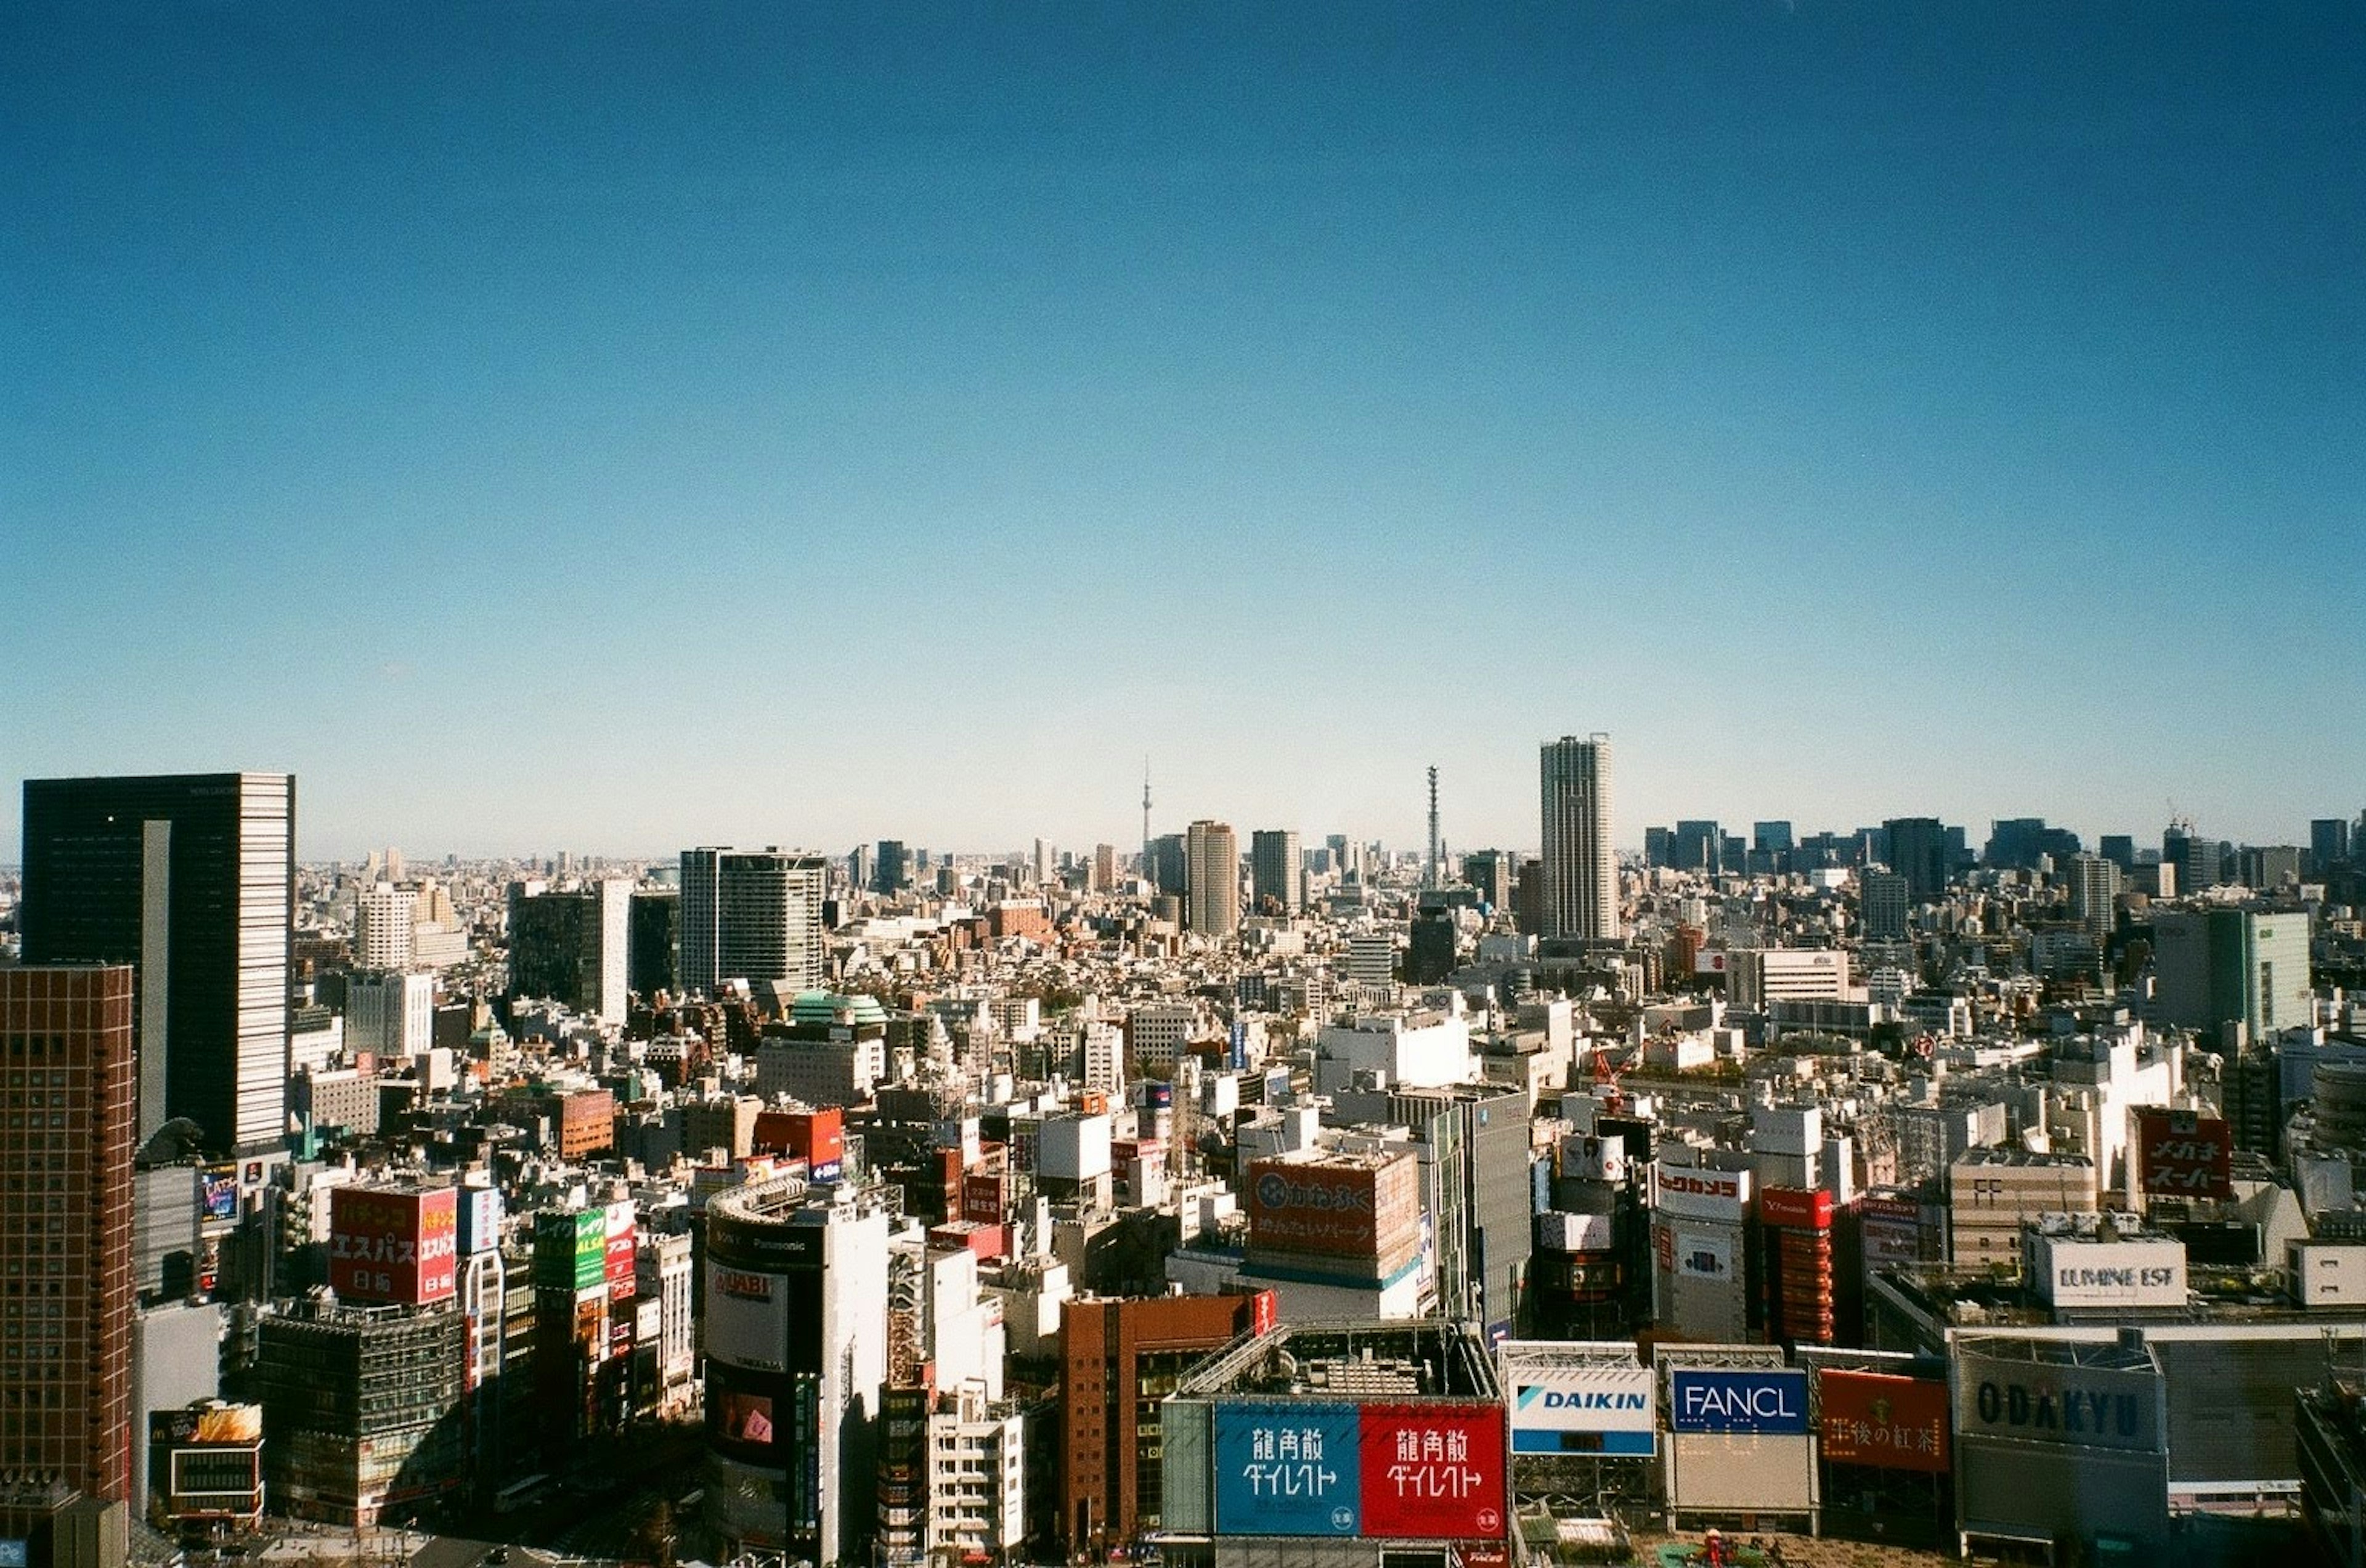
column 1853, row 413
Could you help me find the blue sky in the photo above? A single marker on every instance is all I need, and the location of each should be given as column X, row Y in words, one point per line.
column 613, row 427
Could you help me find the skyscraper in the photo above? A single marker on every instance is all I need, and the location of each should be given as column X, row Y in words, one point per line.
column 751, row 915
column 190, row 879
column 1886, row 904
column 1580, row 874
column 1276, row 869
column 1918, row 851
column 1212, row 878
column 573, row 946
column 65, row 1228
column 2094, row 885
column 2328, row 843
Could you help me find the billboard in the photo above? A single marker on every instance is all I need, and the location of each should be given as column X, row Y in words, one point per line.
column 1796, row 1208
column 1752, row 1399
column 218, row 1191
column 481, row 1219
column 2046, row 1402
column 1886, row 1422
column 1583, row 1410
column 1287, row 1469
column 1694, row 1193
column 570, row 1248
column 1701, row 1254
column 1332, row 1210
column 617, row 1246
column 394, row 1245
column 1434, row 1472
column 747, row 1317
column 215, row 1423
column 2183, row 1155
column 2075, row 1272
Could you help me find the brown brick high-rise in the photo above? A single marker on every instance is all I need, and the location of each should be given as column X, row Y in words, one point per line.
column 67, row 1116
column 1119, row 1359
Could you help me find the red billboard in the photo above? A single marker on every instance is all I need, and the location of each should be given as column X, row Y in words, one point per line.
column 617, row 1251
column 394, row 1245
column 1799, row 1208
column 1342, row 1210
column 1889, row 1422
column 2183, row 1154
column 1434, row 1472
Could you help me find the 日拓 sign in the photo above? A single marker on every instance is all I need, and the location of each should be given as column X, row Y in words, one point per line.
column 1756, row 1399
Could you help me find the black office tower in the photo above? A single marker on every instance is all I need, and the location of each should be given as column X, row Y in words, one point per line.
column 190, row 879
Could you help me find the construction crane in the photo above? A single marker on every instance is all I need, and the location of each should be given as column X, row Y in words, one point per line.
column 1605, row 1084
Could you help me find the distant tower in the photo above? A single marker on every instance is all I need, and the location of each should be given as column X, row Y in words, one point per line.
column 1581, row 874
column 1145, row 817
column 1435, row 873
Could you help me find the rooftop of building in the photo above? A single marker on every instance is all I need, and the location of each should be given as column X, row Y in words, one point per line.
column 1433, row 1359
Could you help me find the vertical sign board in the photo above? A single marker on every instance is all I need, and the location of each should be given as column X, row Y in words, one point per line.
column 1883, row 1422
column 1752, row 1399
column 591, row 1247
column 618, row 1250
column 2183, row 1155
column 1434, row 1472
column 394, row 1246
column 1606, row 1410
column 1287, row 1469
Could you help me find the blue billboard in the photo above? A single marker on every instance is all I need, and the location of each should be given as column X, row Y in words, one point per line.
column 1755, row 1399
column 1288, row 1468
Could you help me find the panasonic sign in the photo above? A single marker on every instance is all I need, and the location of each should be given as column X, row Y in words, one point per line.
column 1603, row 1409
column 1769, row 1400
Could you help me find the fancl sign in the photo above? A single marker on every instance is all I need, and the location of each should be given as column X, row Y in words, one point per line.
column 1766, row 1400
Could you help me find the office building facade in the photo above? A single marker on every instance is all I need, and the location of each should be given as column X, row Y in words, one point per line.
column 66, row 1228
column 1581, row 874
column 1277, row 871
column 1212, row 879
column 190, row 879
column 752, row 915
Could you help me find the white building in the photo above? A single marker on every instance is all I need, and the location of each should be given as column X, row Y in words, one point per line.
column 1104, row 1057
column 390, row 1014
column 1425, row 1050
column 977, row 1476
column 382, row 920
column 1158, row 1031
column 1761, row 976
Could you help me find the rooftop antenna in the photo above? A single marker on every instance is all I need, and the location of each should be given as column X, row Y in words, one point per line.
column 1435, row 868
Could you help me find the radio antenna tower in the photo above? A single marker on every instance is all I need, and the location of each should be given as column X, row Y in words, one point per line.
column 1437, row 868
column 1145, row 817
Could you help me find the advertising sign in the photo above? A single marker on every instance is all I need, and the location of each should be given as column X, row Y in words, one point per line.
column 2183, row 1155
column 1703, row 1254
column 218, row 1190
column 2072, row 1272
column 1889, row 1422
column 1313, row 1208
column 1583, row 1410
column 2044, row 1401
column 1592, row 1156
column 394, row 1246
column 1287, row 1469
column 1796, row 1208
column 1752, row 1399
column 617, row 1251
column 14, row 1553
column 481, row 1219
column 1434, row 1472
column 1694, row 1193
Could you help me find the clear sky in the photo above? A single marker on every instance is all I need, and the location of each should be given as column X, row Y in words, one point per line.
column 612, row 426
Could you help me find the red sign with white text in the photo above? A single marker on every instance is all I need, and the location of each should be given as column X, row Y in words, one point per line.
column 2183, row 1154
column 1434, row 1472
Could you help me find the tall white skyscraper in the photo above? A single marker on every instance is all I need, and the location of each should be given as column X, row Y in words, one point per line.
column 1581, row 872
column 751, row 915
column 1212, row 878
column 382, row 921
